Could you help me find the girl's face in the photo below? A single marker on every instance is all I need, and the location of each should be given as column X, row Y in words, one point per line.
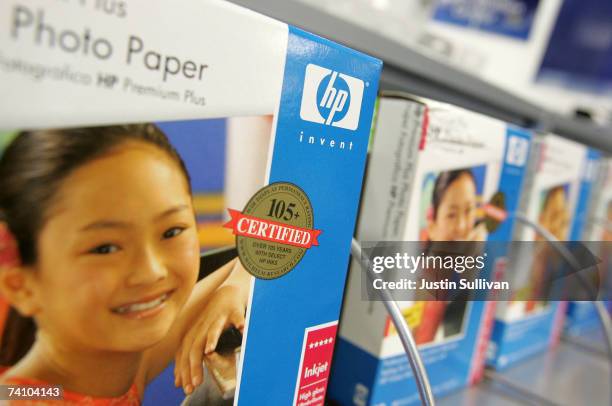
column 118, row 255
column 456, row 214
column 555, row 216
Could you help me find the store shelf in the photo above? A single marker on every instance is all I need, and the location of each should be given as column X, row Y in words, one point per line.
column 485, row 394
column 593, row 343
column 409, row 70
column 567, row 375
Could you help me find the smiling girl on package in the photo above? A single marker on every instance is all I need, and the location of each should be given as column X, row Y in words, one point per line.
column 453, row 217
column 100, row 258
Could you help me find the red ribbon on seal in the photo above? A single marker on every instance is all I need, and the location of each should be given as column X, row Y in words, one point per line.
column 254, row 227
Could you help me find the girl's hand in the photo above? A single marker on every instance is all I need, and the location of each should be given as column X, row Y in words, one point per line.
column 226, row 307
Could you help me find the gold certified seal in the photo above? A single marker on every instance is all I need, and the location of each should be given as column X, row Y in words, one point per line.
column 274, row 230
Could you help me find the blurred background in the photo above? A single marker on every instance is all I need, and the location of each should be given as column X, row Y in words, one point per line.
column 544, row 64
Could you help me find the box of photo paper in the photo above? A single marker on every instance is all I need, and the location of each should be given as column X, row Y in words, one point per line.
column 432, row 170
column 279, row 181
column 582, row 318
column 556, row 197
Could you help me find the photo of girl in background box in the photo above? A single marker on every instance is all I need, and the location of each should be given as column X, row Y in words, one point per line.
column 554, row 217
column 100, row 260
column 449, row 212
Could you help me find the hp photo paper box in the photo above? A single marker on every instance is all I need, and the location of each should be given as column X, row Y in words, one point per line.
column 417, row 143
column 555, row 196
column 108, row 105
column 582, row 318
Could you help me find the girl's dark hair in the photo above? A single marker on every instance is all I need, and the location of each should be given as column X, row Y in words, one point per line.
column 32, row 168
column 443, row 181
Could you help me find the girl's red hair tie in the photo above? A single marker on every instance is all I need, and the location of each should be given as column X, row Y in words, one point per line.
column 9, row 253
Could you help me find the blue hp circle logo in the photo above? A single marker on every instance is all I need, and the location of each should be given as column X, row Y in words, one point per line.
column 333, row 98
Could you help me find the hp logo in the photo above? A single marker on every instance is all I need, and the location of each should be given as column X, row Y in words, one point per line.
column 518, row 149
column 334, row 100
column 331, row 98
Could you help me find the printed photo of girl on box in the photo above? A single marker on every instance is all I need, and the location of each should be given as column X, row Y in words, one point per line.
column 451, row 215
column 554, row 217
column 99, row 261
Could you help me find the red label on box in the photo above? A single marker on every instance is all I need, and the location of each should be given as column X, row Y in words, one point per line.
column 315, row 364
column 273, row 231
column 486, row 326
